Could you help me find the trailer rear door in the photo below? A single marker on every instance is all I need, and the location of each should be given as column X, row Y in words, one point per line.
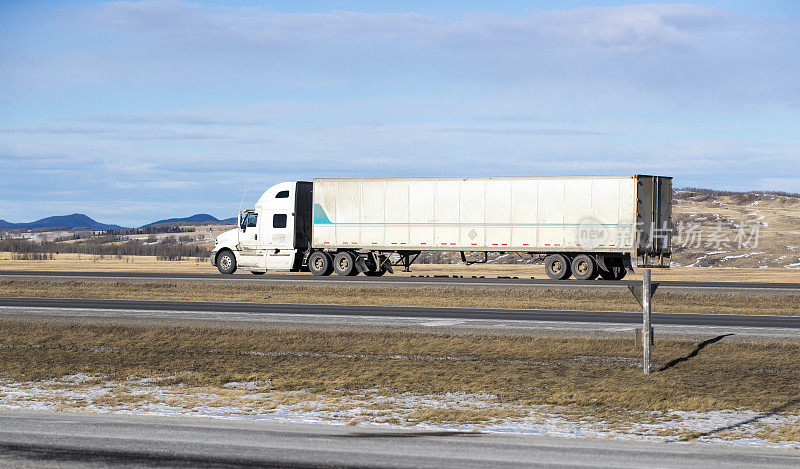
column 653, row 220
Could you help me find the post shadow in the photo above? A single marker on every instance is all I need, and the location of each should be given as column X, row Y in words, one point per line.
column 694, row 353
column 736, row 425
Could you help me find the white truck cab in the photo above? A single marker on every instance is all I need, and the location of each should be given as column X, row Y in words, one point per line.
column 270, row 236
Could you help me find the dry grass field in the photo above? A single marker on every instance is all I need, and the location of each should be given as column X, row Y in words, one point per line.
column 749, row 230
column 585, row 378
column 70, row 262
column 667, row 302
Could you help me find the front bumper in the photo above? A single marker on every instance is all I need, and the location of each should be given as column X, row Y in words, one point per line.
column 214, row 258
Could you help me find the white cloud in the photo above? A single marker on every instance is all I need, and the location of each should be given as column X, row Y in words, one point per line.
column 633, row 27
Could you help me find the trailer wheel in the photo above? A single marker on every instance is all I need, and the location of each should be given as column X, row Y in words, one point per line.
column 557, row 266
column 345, row 264
column 226, row 262
column 584, row 267
column 319, row 263
column 616, row 271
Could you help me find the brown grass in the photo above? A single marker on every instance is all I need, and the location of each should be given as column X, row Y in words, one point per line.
column 522, row 370
column 668, row 302
column 779, row 234
column 70, row 262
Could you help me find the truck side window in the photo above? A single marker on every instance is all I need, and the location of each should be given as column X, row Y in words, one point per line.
column 279, row 220
column 251, row 220
column 282, row 195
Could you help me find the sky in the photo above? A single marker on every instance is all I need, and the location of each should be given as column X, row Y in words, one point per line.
column 133, row 111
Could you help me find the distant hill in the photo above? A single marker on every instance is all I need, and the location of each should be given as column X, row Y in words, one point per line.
column 75, row 220
column 199, row 218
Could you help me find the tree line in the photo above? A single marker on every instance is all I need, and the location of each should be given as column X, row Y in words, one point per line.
column 169, row 248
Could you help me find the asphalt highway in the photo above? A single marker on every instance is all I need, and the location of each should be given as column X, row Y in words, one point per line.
column 64, row 439
column 391, row 281
column 607, row 317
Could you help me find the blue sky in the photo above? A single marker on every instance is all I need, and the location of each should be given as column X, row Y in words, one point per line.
column 135, row 111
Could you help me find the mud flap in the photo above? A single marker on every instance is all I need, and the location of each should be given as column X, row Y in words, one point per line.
column 361, row 265
column 626, row 262
column 601, row 263
column 387, row 264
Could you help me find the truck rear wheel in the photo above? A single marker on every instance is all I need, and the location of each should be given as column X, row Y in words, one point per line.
column 226, row 262
column 320, row 264
column 345, row 264
column 584, row 267
column 557, row 266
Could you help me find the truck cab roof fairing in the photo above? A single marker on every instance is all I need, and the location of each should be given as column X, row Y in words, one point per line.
column 270, row 201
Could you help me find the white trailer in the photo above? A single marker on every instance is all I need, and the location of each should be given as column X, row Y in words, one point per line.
column 585, row 226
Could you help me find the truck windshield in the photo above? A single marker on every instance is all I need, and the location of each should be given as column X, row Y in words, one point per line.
column 249, row 220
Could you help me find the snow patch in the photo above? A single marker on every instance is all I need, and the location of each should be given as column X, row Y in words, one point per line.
column 740, row 256
column 376, row 407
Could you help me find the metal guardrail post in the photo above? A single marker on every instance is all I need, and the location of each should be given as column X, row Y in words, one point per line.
column 644, row 294
column 646, row 330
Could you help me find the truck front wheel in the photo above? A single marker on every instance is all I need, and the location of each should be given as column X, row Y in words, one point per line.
column 226, row 262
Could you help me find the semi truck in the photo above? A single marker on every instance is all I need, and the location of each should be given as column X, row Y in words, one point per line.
column 584, row 227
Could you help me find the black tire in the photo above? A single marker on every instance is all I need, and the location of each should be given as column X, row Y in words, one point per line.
column 226, row 262
column 584, row 267
column 257, row 273
column 345, row 264
column 616, row 271
column 373, row 269
column 608, row 274
column 557, row 266
column 320, row 264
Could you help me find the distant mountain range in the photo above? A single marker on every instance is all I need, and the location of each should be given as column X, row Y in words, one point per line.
column 197, row 218
column 79, row 220
column 63, row 221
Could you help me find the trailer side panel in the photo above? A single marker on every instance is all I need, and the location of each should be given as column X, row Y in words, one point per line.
column 536, row 214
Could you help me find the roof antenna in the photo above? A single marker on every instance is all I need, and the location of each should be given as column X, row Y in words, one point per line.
column 242, row 201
